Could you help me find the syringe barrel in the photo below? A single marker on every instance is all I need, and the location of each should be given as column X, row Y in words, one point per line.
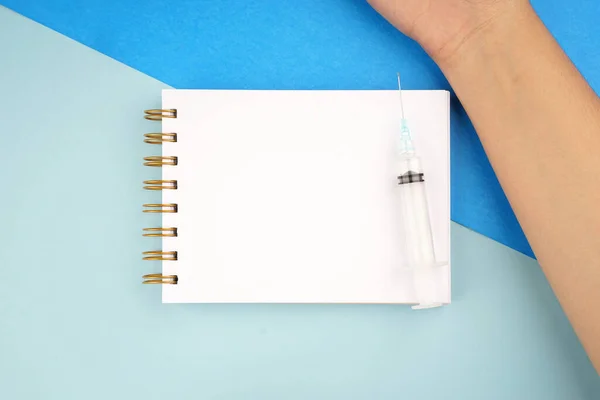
column 416, row 224
column 418, row 237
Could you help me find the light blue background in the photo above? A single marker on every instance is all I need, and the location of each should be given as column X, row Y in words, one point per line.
column 322, row 44
column 75, row 322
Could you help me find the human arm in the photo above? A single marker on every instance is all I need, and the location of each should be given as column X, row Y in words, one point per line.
column 539, row 122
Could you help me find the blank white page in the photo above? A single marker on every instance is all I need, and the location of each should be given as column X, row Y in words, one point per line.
column 290, row 196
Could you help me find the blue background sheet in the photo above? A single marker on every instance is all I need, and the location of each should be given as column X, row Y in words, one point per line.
column 309, row 44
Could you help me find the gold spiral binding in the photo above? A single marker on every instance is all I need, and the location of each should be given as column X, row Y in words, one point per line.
column 159, row 161
column 159, row 279
column 160, row 138
column 157, row 255
column 161, row 208
column 160, row 232
column 160, row 184
column 159, row 114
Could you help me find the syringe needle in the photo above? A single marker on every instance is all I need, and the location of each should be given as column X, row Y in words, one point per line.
column 400, row 91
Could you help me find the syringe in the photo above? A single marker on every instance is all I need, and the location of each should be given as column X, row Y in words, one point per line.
column 415, row 218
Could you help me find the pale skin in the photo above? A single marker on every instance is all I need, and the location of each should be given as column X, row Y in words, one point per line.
column 539, row 122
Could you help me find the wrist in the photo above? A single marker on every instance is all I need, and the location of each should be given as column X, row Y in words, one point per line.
column 485, row 38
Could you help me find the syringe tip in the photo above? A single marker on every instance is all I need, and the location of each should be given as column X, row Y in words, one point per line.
column 400, row 92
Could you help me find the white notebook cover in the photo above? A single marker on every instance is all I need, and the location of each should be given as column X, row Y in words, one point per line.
column 290, row 196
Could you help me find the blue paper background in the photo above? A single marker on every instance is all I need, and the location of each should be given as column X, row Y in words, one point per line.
column 320, row 44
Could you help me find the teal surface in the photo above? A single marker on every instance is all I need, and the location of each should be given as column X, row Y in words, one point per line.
column 75, row 322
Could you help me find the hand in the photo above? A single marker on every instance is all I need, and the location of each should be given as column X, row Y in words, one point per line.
column 442, row 27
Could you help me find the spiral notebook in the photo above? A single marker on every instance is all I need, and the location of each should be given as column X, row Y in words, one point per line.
column 289, row 196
